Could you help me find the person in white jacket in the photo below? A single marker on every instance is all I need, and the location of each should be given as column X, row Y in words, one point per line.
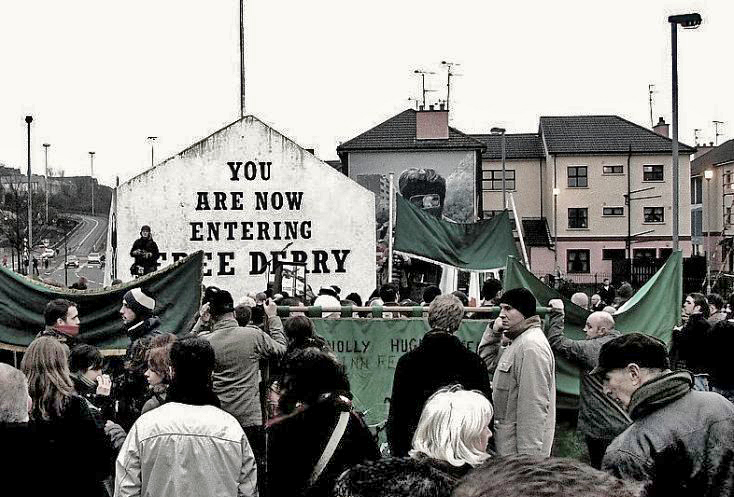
column 188, row 446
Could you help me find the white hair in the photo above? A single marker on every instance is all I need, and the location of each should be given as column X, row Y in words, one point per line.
column 13, row 395
column 451, row 425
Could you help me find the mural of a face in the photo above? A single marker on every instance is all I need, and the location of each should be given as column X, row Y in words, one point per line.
column 425, row 188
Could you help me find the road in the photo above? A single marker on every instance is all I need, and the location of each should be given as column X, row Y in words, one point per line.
column 90, row 236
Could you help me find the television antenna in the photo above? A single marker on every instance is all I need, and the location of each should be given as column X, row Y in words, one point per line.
column 423, row 83
column 650, row 91
column 449, row 73
column 716, row 131
column 695, row 135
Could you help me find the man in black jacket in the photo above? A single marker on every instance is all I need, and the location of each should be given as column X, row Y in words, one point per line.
column 145, row 252
column 681, row 441
column 440, row 360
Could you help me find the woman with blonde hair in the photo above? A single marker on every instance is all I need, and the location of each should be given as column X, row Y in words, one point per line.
column 453, row 430
column 64, row 423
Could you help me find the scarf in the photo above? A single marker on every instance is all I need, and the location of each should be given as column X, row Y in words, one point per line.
column 659, row 392
column 515, row 331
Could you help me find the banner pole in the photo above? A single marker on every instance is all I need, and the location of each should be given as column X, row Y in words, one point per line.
column 390, row 229
column 518, row 225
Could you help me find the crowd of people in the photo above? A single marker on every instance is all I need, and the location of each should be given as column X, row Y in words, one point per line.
column 245, row 403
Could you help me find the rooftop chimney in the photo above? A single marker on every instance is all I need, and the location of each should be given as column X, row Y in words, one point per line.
column 432, row 124
column 703, row 148
column 661, row 128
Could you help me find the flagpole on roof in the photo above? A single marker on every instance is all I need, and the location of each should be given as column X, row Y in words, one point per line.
column 390, row 228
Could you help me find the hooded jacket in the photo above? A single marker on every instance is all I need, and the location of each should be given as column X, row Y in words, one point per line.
column 681, row 441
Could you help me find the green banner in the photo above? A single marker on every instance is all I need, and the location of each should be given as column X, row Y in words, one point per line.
column 653, row 310
column 370, row 349
column 473, row 246
column 176, row 289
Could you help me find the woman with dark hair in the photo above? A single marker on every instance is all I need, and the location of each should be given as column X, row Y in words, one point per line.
column 689, row 348
column 64, row 423
column 158, row 373
column 319, row 425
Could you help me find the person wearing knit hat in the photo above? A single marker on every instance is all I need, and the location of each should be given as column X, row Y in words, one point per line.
column 524, row 382
column 137, row 313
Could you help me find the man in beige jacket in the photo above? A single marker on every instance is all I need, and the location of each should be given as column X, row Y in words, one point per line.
column 524, row 383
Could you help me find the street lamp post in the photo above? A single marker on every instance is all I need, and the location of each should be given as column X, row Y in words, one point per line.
column 152, row 140
column 501, row 131
column 45, row 152
column 91, row 164
column 708, row 174
column 29, row 120
column 688, row 21
column 556, row 192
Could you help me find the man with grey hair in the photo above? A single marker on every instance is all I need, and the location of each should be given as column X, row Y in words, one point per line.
column 439, row 360
column 14, row 399
column 600, row 418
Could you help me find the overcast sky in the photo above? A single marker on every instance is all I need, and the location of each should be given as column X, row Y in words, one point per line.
column 102, row 76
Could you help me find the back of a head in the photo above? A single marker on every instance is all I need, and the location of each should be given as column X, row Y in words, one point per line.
column 56, row 309
column 243, row 314
column 13, row 395
column 388, row 293
column 394, row 477
column 298, row 329
column 450, row 427
column 430, row 293
column 354, row 297
column 84, row 357
column 46, row 366
column 715, row 300
column 220, row 301
column 490, row 288
column 192, row 361
column 580, row 299
column 625, row 291
column 533, row 476
column 308, row 374
column 445, row 313
column 463, row 298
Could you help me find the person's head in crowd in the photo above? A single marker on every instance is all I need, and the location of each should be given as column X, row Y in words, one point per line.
column 716, row 303
column 605, row 282
column 696, row 303
column 534, row 476
column 86, row 360
column 192, row 365
column 445, row 313
column 394, row 477
column 243, row 313
column 116, row 281
column 580, row 299
column 629, row 361
column 220, row 303
column 625, row 292
column 454, row 427
column 491, row 290
column 49, row 382
column 308, row 375
column 332, row 291
column 247, row 301
column 463, row 298
column 293, row 302
column 610, row 309
column 159, row 369
column 145, row 231
column 14, row 399
column 516, row 305
column 388, row 293
column 260, row 297
column 598, row 324
column 430, row 293
column 354, row 297
column 595, row 300
column 299, row 330
column 277, row 298
column 63, row 316
column 136, row 306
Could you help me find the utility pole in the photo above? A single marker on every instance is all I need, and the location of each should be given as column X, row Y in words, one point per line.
column 152, row 140
column 242, row 59
column 91, row 164
column 716, row 131
column 29, row 120
column 45, row 152
column 650, row 91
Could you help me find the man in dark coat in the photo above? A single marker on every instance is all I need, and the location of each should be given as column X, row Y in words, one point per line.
column 145, row 252
column 690, row 345
column 607, row 292
column 131, row 387
column 681, row 441
column 440, row 360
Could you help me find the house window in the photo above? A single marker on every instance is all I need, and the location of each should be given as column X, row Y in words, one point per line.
column 613, row 211
column 613, row 254
column 613, row 170
column 578, row 218
column 696, row 190
column 654, row 215
column 492, row 179
column 697, row 222
column 652, row 173
column 577, row 261
column 577, row 177
column 644, row 253
column 665, row 253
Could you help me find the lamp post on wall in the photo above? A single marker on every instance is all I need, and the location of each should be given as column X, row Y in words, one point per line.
column 708, row 174
column 501, row 131
column 687, row 21
column 152, row 140
column 45, row 153
column 556, row 192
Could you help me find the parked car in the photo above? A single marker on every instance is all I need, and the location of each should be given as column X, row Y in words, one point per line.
column 94, row 259
column 48, row 252
column 72, row 261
